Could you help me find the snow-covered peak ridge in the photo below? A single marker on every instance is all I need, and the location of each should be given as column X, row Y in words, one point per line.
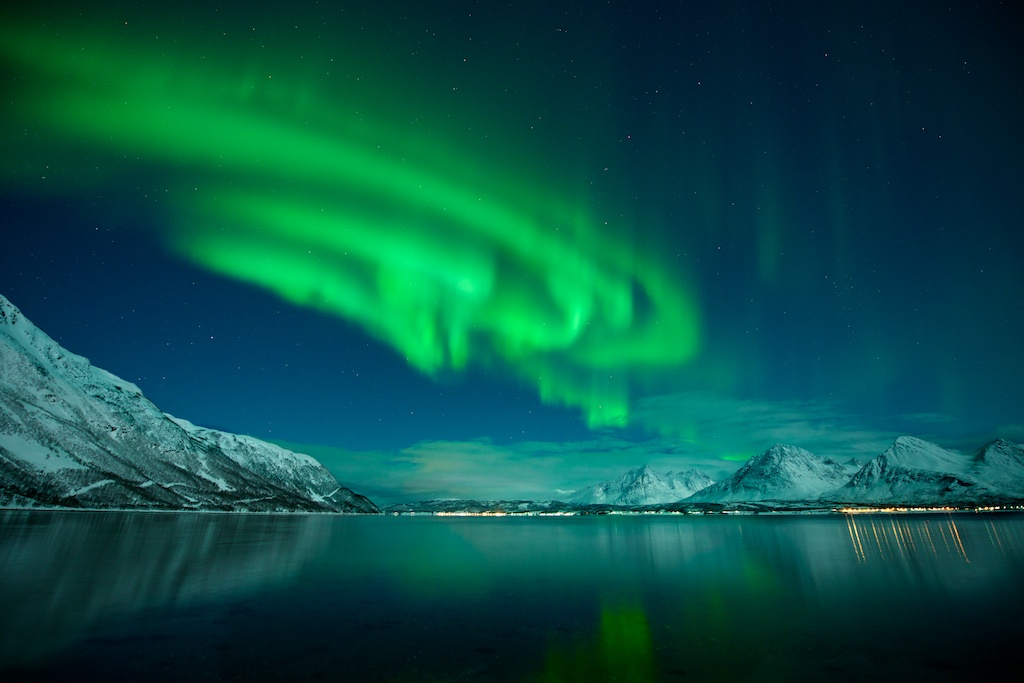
column 34, row 343
column 15, row 325
column 1001, row 448
column 911, row 471
column 7, row 311
column 692, row 480
column 912, row 443
column 911, row 451
column 778, row 449
column 642, row 486
column 270, row 460
column 916, row 472
column 781, row 472
column 18, row 329
column 73, row 435
column 781, row 452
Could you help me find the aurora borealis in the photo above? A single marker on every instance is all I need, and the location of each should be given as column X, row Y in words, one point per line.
column 434, row 266
column 448, row 240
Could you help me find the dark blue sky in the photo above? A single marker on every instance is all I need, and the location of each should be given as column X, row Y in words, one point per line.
column 814, row 211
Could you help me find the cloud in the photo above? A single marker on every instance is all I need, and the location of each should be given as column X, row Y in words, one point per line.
column 712, row 425
column 1013, row 432
column 482, row 469
column 530, row 469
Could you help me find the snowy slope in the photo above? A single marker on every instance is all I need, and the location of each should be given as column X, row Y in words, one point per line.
column 77, row 436
column 642, row 486
column 1000, row 465
column 780, row 473
column 916, row 472
column 687, row 483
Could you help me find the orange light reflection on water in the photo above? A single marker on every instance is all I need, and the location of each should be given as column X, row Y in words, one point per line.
column 872, row 538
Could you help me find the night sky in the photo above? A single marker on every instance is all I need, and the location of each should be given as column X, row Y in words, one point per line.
column 506, row 250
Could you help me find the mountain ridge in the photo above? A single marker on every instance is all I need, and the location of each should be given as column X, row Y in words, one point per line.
column 76, row 436
column 781, row 472
column 912, row 469
column 642, row 486
column 788, row 478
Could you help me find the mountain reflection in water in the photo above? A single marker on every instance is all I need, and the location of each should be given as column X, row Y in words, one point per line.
column 64, row 573
column 652, row 598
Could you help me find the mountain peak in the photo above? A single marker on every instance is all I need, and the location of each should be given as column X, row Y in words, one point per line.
column 782, row 472
column 912, row 442
column 916, row 472
column 642, row 486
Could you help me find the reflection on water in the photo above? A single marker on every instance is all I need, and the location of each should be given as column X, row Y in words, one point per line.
column 621, row 651
column 883, row 538
column 759, row 598
column 63, row 573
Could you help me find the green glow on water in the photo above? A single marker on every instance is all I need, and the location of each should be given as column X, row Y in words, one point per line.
column 623, row 651
column 626, row 647
column 280, row 186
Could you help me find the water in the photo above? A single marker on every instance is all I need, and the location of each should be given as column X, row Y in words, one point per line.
column 206, row 597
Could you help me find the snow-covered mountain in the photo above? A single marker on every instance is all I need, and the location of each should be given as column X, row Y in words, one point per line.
column 73, row 435
column 643, row 486
column 780, row 473
column 479, row 507
column 910, row 472
column 915, row 472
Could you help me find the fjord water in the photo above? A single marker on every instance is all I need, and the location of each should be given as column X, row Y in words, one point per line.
column 209, row 597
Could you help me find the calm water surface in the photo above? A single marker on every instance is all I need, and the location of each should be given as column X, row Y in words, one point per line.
column 136, row 596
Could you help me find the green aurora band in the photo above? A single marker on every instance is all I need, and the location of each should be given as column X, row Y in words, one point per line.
column 447, row 265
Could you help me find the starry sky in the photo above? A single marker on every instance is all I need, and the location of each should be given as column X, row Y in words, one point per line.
column 497, row 250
